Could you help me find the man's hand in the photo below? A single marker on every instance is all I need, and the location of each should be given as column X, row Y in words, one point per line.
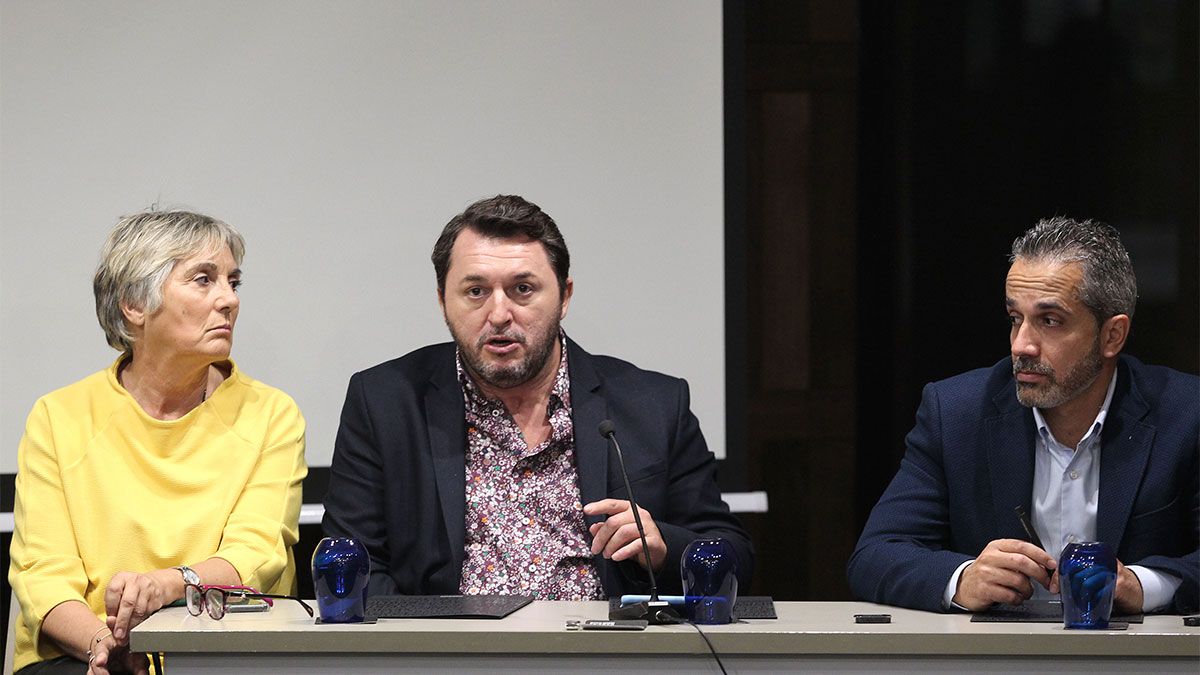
column 617, row 537
column 1129, row 597
column 1002, row 573
column 131, row 597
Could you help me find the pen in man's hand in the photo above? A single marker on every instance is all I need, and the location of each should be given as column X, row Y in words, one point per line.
column 1024, row 518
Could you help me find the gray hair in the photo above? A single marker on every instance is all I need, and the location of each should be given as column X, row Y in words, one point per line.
column 140, row 253
column 1109, row 286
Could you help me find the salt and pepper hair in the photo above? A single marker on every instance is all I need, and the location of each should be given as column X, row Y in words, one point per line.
column 1109, row 286
column 139, row 255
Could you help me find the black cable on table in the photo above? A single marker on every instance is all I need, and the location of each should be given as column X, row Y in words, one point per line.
column 711, row 649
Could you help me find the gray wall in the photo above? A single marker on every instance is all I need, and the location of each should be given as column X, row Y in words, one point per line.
column 339, row 137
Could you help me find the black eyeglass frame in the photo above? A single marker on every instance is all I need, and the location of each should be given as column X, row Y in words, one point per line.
column 205, row 603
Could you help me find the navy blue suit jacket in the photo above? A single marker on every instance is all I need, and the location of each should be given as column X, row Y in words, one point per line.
column 399, row 468
column 969, row 462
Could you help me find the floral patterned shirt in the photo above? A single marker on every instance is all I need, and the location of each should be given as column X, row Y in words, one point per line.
column 525, row 532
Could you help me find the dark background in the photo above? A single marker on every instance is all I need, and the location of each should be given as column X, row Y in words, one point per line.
column 891, row 152
column 880, row 159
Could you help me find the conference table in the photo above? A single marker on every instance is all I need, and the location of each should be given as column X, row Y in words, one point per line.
column 807, row 636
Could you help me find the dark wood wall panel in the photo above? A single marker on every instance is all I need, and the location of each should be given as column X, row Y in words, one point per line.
column 784, row 259
column 801, row 131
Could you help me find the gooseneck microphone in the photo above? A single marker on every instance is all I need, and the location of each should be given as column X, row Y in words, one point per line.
column 654, row 610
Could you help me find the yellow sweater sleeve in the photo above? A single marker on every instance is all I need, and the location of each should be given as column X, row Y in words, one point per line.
column 46, row 569
column 264, row 524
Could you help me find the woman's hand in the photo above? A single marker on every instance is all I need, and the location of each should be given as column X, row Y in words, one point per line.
column 108, row 657
column 131, row 597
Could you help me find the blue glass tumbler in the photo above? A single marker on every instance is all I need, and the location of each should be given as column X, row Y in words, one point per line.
column 710, row 583
column 1088, row 580
column 341, row 568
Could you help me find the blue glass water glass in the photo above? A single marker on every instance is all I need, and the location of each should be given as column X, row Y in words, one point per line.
column 341, row 568
column 710, row 583
column 1087, row 580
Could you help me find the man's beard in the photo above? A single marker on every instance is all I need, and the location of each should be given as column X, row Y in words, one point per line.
column 508, row 375
column 1054, row 393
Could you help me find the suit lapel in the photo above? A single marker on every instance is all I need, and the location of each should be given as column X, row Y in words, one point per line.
column 1011, row 445
column 588, row 409
column 445, row 415
column 1124, row 452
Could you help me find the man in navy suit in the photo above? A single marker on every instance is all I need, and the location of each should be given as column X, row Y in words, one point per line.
column 476, row 466
column 1093, row 444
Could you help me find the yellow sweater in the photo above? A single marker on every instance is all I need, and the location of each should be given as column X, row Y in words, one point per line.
column 102, row 487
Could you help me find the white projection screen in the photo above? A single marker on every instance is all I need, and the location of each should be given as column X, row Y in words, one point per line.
column 339, row 137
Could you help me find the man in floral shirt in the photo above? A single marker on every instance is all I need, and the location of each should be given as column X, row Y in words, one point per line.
column 475, row 466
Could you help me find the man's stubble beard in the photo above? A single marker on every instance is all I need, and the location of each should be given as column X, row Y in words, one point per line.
column 508, row 376
column 1055, row 392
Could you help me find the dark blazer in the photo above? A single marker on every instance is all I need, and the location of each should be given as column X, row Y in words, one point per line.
column 969, row 463
column 398, row 471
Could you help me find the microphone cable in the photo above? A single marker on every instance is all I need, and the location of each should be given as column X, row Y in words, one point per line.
column 663, row 617
column 711, row 649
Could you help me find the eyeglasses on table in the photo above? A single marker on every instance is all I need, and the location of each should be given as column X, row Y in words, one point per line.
column 215, row 599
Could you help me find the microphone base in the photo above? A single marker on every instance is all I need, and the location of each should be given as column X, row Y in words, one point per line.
column 655, row 612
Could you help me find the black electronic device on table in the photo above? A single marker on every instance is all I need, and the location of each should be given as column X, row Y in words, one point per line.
column 745, row 607
column 1036, row 611
column 607, row 624
column 445, row 606
column 872, row 618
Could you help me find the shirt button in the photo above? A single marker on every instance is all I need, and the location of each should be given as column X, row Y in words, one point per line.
column 1074, row 475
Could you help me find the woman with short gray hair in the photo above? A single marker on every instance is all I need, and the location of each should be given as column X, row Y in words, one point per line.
column 170, row 467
